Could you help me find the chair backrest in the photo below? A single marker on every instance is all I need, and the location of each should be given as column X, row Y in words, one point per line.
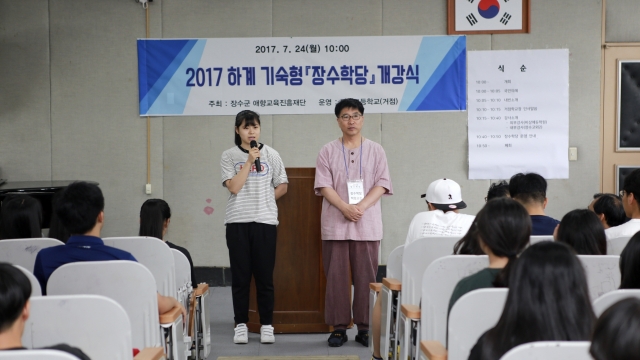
column 472, row 315
column 127, row 282
column 183, row 278
column 603, row 302
column 97, row 325
column 438, row 282
column 153, row 253
column 534, row 239
column 36, row 355
column 23, row 252
column 616, row 245
column 417, row 256
column 35, row 285
column 603, row 273
column 394, row 263
column 550, row 350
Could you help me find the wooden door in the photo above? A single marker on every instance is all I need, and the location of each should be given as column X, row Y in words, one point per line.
column 616, row 159
column 299, row 279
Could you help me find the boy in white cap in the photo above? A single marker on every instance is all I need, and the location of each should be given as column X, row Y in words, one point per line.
column 444, row 199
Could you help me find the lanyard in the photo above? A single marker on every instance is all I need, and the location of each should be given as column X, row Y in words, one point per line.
column 345, row 159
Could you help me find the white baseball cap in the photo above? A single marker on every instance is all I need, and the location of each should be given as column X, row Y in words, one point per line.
column 445, row 194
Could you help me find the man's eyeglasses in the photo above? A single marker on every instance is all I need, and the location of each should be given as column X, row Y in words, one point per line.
column 347, row 117
column 622, row 192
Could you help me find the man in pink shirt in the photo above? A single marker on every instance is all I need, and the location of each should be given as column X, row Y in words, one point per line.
column 351, row 174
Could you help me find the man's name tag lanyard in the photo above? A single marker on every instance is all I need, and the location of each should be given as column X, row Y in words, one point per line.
column 355, row 188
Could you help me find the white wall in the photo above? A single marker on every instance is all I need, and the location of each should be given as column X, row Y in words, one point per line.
column 68, row 104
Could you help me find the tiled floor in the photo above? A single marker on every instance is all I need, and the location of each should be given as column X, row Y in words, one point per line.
column 221, row 310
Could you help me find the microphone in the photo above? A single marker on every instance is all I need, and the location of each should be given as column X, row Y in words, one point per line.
column 253, row 144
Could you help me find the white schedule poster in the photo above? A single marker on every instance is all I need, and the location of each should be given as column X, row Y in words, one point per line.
column 518, row 105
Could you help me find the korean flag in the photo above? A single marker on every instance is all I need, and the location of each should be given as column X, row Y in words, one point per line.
column 474, row 15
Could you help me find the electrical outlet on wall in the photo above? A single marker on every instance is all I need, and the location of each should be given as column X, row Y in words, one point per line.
column 147, row 189
column 573, row 154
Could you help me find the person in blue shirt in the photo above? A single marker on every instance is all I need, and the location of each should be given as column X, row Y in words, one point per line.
column 531, row 191
column 81, row 211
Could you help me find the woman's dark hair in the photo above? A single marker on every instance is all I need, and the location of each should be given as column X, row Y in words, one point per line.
column 496, row 190
column 250, row 118
column 15, row 290
column 582, row 230
column 611, row 206
column 548, row 300
column 616, row 335
column 349, row 104
column 504, row 226
column 56, row 229
column 20, row 217
column 153, row 214
column 630, row 264
column 468, row 245
column 79, row 206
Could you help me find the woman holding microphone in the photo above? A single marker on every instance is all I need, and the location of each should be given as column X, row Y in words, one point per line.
column 255, row 177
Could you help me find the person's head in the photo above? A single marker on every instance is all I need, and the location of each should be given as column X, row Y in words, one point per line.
column 155, row 215
column 247, row 127
column 631, row 194
column 444, row 194
column 616, row 335
column 548, row 300
column 81, row 208
column 630, row 264
column 503, row 228
column 582, row 230
column 20, row 217
column 529, row 189
column 15, row 290
column 56, row 229
column 496, row 190
column 350, row 116
column 609, row 209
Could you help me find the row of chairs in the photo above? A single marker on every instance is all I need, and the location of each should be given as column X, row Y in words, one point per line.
column 466, row 324
column 429, row 276
column 160, row 269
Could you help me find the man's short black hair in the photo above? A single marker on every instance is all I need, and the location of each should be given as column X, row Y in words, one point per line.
column 349, row 104
column 632, row 185
column 611, row 206
column 496, row 190
column 527, row 188
column 15, row 290
column 79, row 206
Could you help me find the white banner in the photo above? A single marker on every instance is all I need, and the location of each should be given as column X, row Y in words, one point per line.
column 223, row 76
column 518, row 113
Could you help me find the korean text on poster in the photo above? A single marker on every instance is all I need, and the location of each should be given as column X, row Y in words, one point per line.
column 518, row 113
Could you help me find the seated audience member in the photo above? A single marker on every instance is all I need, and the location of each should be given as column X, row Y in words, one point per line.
column 548, row 301
column 503, row 228
column 630, row 264
column 56, row 229
column 497, row 190
column 609, row 209
column 444, row 199
column 531, row 191
column 81, row 210
column 631, row 202
column 20, row 218
column 155, row 216
column 468, row 245
column 616, row 335
column 582, row 230
column 15, row 290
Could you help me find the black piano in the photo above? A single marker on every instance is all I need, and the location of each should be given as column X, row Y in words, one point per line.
column 41, row 190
